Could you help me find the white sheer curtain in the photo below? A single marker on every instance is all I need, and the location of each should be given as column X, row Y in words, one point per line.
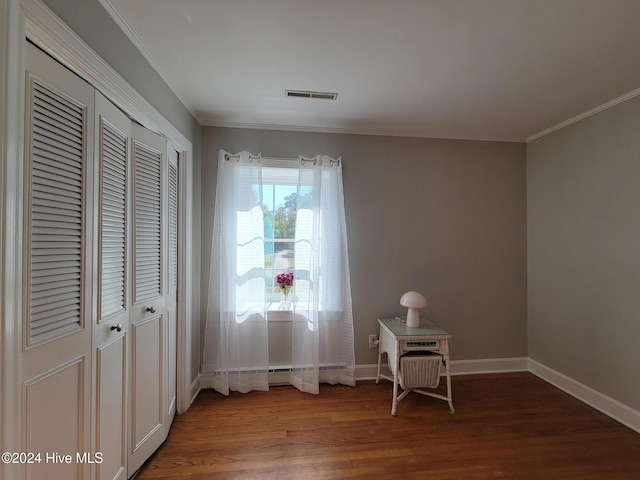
column 236, row 341
column 323, row 346
column 236, row 353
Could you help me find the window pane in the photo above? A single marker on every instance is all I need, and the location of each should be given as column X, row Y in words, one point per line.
column 285, row 196
column 284, row 224
column 268, row 225
column 268, row 255
column 267, row 197
column 283, row 257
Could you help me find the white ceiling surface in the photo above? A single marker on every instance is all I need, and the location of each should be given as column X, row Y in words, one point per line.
column 476, row 69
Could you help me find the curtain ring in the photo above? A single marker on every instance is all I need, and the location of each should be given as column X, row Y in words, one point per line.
column 303, row 160
column 228, row 157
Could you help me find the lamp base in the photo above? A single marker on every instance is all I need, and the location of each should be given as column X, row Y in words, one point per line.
column 413, row 318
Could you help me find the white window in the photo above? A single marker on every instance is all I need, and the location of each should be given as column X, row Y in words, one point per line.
column 280, row 205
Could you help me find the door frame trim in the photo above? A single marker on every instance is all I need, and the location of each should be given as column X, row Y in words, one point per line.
column 11, row 204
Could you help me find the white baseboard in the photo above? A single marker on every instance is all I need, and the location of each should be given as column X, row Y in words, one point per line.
column 195, row 388
column 458, row 367
column 489, row 365
column 369, row 372
column 607, row 405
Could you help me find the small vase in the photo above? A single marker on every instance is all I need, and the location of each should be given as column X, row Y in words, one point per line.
column 286, row 294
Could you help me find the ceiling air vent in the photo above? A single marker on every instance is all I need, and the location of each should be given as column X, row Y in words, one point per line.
column 308, row 94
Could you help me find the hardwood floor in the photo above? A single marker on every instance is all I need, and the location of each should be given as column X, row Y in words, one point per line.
column 511, row 425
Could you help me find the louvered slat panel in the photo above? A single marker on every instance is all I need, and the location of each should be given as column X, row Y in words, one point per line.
column 54, row 292
column 71, row 213
column 173, row 226
column 113, row 205
column 115, row 286
column 48, row 156
column 57, row 225
column 147, row 221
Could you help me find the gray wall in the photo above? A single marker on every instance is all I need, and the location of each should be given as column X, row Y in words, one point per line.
column 584, row 251
column 444, row 217
column 94, row 25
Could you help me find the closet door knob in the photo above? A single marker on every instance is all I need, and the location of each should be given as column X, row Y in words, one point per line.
column 151, row 309
column 117, row 327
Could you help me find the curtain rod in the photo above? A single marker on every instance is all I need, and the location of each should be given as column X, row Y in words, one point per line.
column 260, row 157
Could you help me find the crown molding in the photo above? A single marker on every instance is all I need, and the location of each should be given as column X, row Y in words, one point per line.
column 117, row 17
column 588, row 113
column 208, row 122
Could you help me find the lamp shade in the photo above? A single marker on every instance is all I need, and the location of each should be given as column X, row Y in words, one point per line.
column 413, row 301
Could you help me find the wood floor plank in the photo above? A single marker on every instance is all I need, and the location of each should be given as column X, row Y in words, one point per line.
column 512, row 426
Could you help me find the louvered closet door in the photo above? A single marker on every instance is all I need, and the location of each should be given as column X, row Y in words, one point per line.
column 148, row 319
column 111, row 330
column 56, row 359
column 172, row 280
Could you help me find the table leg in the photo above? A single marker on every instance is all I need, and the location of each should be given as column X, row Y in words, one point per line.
column 449, row 397
column 396, row 363
column 379, row 357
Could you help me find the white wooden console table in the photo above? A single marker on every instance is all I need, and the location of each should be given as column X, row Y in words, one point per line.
column 398, row 340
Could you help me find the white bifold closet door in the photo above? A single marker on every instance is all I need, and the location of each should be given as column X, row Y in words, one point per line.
column 111, row 330
column 100, row 281
column 148, row 316
column 57, row 367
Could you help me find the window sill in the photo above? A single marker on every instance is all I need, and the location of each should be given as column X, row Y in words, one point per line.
column 286, row 312
column 280, row 311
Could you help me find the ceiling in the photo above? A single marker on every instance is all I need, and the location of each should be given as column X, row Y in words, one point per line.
column 476, row 69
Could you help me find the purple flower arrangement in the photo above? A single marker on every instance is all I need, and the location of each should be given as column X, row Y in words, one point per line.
column 285, row 282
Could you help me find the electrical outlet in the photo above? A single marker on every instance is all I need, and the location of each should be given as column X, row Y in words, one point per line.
column 373, row 341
